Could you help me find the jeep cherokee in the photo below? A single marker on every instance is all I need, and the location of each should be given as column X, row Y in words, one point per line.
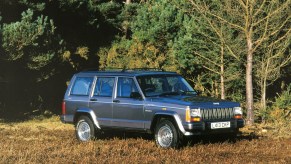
column 157, row 102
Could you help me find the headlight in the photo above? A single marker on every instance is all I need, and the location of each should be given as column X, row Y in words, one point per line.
column 237, row 110
column 195, row 113
column 192, row 115
column 237, row 113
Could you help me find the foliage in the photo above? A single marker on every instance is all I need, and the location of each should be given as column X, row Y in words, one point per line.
column 280, row 111
column 133, row 54
column 273, row 45
column 30, row 38
column 148, row 46
column 283, row 100
column 38, row 6
column 115, row 13
column 212, row 47
column 206, row 41
column 256, row 23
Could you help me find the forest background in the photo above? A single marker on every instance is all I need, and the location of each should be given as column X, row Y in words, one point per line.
column 231, row 49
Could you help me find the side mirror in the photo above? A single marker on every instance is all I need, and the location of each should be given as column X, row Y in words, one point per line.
column 135, row 95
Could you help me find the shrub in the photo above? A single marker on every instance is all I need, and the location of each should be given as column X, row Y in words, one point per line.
column 283, row 100
column 282, row 105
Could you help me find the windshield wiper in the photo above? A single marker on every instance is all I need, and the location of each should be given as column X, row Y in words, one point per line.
column 169, row 93
column 182, row 92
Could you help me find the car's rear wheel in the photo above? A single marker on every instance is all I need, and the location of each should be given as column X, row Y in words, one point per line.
column 166, row 134
column 85, row 130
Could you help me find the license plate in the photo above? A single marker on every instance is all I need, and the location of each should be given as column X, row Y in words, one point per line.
column 219, row 125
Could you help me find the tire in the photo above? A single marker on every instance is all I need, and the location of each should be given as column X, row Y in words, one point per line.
column 167, row 135
column 85, row 130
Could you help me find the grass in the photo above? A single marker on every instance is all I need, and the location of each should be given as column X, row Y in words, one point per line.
column 49, row 141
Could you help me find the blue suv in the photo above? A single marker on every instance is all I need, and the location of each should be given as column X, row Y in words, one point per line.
column 157, row 102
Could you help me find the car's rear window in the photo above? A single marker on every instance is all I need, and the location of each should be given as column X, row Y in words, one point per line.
column 82, row 86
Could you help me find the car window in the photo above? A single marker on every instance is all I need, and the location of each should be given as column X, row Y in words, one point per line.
column 104, row 86
column 159, row 85
column 82, row 86
column 125, row 87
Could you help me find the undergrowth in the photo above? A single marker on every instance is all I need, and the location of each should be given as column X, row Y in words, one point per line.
column 50, row 141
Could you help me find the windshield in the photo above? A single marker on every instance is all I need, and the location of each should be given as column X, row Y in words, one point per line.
column 164, row 85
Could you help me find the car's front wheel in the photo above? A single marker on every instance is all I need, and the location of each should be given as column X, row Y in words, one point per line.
column 166, row 134
column 85, row 130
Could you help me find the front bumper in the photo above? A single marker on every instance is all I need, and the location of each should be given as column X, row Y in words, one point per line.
column 205, row 126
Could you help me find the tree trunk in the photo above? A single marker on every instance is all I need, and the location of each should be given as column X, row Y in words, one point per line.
column 249, row 83
column 127, row 2
column 125, row 23
column 263, row 96
column 222, row 73
column 264, row 85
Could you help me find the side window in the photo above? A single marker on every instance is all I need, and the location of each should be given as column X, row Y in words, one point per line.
column 82, row 86
column 125, row 87
column 104, row 86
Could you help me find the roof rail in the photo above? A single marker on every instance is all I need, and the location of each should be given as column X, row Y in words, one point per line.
column 147, row 69
column 124, row 69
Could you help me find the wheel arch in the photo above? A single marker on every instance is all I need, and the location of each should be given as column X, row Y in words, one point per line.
column 169, row 115
column 86, row 112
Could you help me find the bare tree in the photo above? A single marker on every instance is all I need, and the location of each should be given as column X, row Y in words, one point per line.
column 215, row 36
column 253, row 19
column 268, row 69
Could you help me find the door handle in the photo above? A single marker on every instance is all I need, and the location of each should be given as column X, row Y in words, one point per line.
column 116, row 101
column 93, row 100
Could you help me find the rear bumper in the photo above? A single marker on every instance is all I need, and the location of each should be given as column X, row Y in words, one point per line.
column 205, row 126
column 67, row 118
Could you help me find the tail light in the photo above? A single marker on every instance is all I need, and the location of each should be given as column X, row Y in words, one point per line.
column 64, row 107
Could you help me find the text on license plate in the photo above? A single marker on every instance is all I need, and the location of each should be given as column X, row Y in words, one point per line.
column 218, row 125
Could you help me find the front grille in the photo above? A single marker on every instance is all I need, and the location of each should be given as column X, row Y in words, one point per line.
column 217, row 113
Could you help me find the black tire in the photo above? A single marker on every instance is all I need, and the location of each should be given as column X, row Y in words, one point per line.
column 85, row 130
column 167, row 135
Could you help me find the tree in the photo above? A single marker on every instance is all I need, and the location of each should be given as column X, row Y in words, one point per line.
column 31, row 38
column 207, row 43
column 268, row 68
column 153, row 27
column 252, row 19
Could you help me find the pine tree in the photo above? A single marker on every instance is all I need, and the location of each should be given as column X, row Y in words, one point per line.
column 153, row 27
column 29, row 38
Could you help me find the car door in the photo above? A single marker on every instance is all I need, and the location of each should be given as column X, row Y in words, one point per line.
column 101, row 100
column 128, row 105
column 78, row 95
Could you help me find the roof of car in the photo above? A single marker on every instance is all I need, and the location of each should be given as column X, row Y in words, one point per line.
column 125, row 72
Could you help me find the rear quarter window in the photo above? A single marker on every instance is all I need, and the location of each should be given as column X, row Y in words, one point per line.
column 81, row 86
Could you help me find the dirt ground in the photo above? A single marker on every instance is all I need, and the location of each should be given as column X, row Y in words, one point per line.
column 54, row 142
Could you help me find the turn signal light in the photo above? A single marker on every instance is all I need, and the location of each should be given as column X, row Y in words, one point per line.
column 187, row 115
column 238, row 116
column 196, row 119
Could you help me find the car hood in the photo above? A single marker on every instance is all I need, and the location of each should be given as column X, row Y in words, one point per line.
column 195, row 101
